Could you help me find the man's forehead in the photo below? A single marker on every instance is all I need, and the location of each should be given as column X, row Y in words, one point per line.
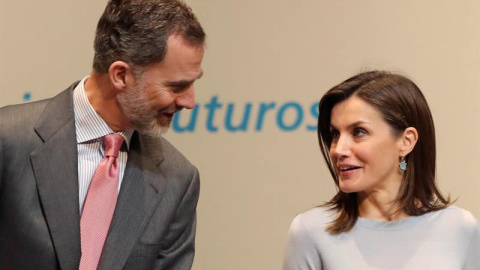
column 180, row 39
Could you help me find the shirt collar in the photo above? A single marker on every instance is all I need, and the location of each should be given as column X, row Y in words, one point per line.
column 88, row 124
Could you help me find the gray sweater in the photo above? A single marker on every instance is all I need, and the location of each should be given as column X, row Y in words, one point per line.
column 447, row 239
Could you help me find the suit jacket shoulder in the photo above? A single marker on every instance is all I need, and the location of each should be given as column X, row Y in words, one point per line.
column 21, row 120
column 16, row 119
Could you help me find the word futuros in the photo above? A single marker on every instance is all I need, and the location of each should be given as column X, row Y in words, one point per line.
column 289, row 116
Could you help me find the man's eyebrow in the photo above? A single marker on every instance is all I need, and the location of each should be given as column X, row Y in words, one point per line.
column 179, row 83
column 184, row 82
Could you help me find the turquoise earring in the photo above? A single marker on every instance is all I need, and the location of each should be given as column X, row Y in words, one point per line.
column 403, row 164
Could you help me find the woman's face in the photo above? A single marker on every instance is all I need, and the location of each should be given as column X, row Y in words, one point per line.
column 364, row 150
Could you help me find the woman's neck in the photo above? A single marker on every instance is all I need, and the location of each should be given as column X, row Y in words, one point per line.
column 380, row 204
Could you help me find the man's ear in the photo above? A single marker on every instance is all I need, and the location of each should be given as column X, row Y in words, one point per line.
column 408, row 140
column 120, row 75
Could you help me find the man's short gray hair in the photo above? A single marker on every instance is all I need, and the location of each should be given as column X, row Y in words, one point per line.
column 136, row 32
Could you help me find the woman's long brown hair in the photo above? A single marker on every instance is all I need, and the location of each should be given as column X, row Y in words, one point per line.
column 402, row 105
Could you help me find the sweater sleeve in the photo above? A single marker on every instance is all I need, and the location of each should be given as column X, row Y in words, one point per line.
column 472, row 258
column 301, row 253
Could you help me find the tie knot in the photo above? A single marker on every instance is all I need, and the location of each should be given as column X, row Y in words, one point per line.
column 113, row 142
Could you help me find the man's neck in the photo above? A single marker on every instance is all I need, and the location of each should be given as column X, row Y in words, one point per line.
column 103, row 98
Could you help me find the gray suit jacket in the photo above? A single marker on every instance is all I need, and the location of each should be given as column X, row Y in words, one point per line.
column 154, row 222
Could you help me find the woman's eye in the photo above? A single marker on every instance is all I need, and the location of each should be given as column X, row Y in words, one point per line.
column 335, row 134
column 359, row 132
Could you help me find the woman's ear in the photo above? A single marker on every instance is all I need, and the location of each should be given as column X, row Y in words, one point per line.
column 120, row 75
column 408, row 140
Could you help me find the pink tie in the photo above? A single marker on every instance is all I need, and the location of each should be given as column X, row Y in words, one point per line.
column 100, row 204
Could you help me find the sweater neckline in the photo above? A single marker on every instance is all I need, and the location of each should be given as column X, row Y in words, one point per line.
column 391, row 225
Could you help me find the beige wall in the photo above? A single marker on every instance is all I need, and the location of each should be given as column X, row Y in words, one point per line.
column 254, row 183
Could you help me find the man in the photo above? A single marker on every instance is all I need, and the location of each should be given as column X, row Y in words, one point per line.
column 86, row 180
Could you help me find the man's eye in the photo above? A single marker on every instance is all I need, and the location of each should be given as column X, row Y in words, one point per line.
column 359, row 132
column 179, row 88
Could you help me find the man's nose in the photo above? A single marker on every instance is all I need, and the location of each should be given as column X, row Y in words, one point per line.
column 186, row 99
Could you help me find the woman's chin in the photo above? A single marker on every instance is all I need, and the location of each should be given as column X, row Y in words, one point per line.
column 348, row 187
column 348, row 190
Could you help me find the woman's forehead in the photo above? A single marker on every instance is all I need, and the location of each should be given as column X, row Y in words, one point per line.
column 354, row 110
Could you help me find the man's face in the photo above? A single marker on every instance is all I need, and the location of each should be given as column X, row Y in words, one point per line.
column 164, row 88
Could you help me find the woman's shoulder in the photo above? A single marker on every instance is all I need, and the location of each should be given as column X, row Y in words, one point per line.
column 305, row 238
column 458, row 214
column 457, row 217
column 313, row 221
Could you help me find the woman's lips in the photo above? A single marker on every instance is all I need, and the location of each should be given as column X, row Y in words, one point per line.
column 347, row 170
column 350, row 172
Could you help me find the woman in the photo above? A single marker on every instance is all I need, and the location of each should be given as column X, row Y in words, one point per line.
column 377, row 136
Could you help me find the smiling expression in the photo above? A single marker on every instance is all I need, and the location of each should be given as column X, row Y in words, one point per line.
column 164, row 88
column 364, row 149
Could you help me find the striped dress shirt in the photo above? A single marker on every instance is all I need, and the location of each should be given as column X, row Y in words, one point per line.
column 90, row 129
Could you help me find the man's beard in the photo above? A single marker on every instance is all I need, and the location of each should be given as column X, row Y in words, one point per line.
column 145, row 119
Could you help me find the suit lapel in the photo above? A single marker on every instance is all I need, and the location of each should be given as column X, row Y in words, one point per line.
column 55, row 168
column 141, row 191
